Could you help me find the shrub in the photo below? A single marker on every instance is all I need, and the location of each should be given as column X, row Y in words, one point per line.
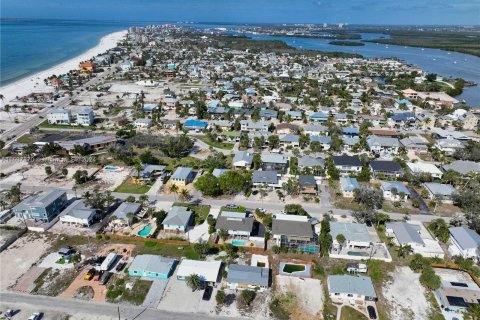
column 221, row 297
column 246, row 297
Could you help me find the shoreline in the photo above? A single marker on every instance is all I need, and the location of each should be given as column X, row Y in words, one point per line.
column 34, row 82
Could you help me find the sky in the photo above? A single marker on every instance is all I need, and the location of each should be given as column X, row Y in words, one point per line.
column 406, row 12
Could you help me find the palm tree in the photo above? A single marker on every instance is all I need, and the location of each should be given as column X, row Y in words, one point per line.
column 340, row 239
column 138, row 168
column 223, row 234
column 129, row 218
column 184, row 195
column 404, row 250
column 173, row 189
column 194, row 281
column 143, row 198
column 473, row 312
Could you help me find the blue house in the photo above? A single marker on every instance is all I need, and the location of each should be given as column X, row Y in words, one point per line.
column 350, row 132
column 192, row 124
column 319, row 117
column 152, row 266
column 43, row 207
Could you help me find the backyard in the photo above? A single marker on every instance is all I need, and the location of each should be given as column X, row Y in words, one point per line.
column 201, row 211
column 129, row 185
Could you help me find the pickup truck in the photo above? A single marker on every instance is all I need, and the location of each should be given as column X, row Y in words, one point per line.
column 120, row 266
column 97, row 275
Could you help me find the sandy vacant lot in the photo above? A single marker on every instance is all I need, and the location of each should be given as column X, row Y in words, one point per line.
column 406, row 295
column 20, row 256
column 308, row 292
column 110, row 180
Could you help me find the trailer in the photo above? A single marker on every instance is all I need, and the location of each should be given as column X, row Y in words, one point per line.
column 108, row 262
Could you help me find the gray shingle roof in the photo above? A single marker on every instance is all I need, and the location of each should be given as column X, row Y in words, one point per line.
column 251, row 275
column 274, row 158
column 292, row 228
column 237, row 221
column 462, row 167
column 308, row 161
column 178, row 216
column 126, row 207
column 466, row 238
column 269, row 177
column 243, row 156
column 41, row 200
column 182, row 173
column 440, row 189
column 351, row 285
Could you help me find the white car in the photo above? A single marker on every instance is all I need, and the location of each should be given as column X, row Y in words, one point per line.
column 35, row 316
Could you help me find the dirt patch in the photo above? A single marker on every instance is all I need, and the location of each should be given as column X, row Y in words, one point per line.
column 80, row 282
column 405, row 295
column 26, row 283
column 308, row 293
column 52, row 282
column 84, row 293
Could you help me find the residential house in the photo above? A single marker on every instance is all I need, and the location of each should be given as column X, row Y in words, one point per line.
column 124, row 214
column 448, row 146
column 416, row 236
column 43, row 207
column 351, row 288
column 242, row 159
column 308, row 184
column 469, row 121
column 192, row 124
column 439, row 133
column 420, row 167
column 286, row 128
column 319, row 117
column 325, row 142
column 348, row 186
column 182, row 176
column 415, row 144
column 247, row 125
column 426, row 119
column 394, row 190
column 444, row 192
column 347, row 164
column 151, row 266
column 386, row 168
column 274, row 162
column 218, row 172
column 79, row 214
column 315, row 130
column 410, row 94
column 142, row 123
column 85, row 117
column 178, row 219
column 294, row 232
column 356, row 235
column 208, row 271
column 265, row 179
column 87, row 67
column 238, row 224
column 290, row 140
column 350, row 132
column 309, row 163
column 150, row 171
column 242, row 277
column 383, row 145
column 59, row 116
column 463, row 167
column 464, row 242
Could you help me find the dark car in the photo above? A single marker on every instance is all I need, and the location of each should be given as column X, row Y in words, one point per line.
column 105, row 277
column 207, row 294
column 120, row 266
column 371, row 312
column 231, row 206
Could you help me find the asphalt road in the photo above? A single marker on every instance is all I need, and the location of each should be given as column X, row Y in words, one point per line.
column 94, row 309
column 314, row 209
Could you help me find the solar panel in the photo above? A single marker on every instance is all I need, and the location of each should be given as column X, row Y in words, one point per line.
column 456, row 301
column 459, row 284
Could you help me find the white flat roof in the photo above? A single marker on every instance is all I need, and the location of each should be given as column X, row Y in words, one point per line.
column 207, row 270
column 291, row 217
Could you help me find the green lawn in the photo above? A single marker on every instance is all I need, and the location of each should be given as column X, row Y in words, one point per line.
column 45, row 124
column 26, row 139
column 216, row 144
column 239, row 209
column 349, row 313
column 167, row 250
column 173, row 163
column 201, row 210
column 128, row 186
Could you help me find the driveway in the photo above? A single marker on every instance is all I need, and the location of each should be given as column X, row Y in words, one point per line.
column 99, row 290
column 423, row 206
column 155, row 293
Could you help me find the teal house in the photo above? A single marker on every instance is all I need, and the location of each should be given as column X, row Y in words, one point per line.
column 152, row 266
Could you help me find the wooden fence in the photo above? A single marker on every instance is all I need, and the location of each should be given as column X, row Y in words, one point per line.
column 455, row 266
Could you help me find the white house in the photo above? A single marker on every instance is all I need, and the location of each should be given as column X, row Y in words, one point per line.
column 356, row 235
column 351, row 288
column 178, row 219
column 59, row 116
column 464, row 242
column 242, row 159
column 207, row 270
column 420, row 167
column 142, row 123
column 394, row 190
column 238, row 224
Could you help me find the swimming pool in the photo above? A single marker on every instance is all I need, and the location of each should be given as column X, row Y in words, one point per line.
column 145, row 231
column 239, row 243
column 112, row 168
column 358, row 254
column 293, row 268
column 312, row 249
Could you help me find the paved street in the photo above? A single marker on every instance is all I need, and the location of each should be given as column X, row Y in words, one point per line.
column 93, row 309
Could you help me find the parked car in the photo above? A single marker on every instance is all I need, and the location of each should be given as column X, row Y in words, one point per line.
column 105, row 277
column 371, row 313
column 120, row 266
column 231, row 206
column 10, row 313
column 207, row 294
column 89, row 274
column 35, row 316
column 97, row 275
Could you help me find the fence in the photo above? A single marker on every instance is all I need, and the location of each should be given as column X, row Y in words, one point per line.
column 141, row 239
column 455, row 266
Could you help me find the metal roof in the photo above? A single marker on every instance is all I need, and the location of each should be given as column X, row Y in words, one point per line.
column 389, row 185
column 126, row 207
column 351, row 231
column 345, row 160
column 405, row 232
column 178, row 216
column 236, row 222
column 351, row 285
column 251, row 275
column 348, row 183
column 386, row 166
column 466, row 238
column 269, row 177
column 152, row 263
column 182, row 173
column 440, row 189
column 292, row 228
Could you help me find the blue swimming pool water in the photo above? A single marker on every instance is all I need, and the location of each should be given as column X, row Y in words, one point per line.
column 361, row 254
column 239, row 243
column 111, row 168
column 145, row 231
column 312, row 249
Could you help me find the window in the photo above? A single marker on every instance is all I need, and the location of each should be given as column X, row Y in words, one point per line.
column 350, row 295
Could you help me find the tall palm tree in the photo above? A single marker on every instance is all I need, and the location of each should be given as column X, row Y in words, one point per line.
column 173, row 189
column 473, row 312
column 194, row 281
column 184, row 195
column 404, row 250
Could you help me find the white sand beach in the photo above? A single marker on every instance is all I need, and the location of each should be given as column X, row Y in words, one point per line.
column 34, row 83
